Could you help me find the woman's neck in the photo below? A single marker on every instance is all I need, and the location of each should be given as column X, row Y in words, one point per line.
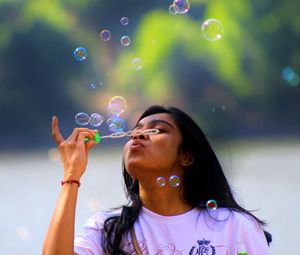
column 164, row 200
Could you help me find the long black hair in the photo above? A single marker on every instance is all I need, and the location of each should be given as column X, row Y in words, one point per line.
column 202, row 181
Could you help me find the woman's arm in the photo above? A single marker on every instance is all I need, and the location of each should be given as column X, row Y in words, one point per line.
column 59, row 239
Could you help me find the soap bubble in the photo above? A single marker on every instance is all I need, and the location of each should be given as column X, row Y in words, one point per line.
column 137, row 64
column 82, row 118
column 173, row 9
column 93, row 86
column 212, row 30
column 290, row 76
column 117, row 105
column 125, row 40
column 174, row 181
column 117, row 125
column 183, row 6
column 80, row 54
column 105, row 35
column 93, row 204
column 124, row 21
column 211, row 204
column 23, row 233
column 53, row 154
column 216, row 213
column 96, row 119
column 161, row 181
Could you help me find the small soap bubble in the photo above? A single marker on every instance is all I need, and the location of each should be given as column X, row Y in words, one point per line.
column 125, row 40
column 82, row 118
column 109, row 121
column 93, row 204
column 96, row 119
column 213, row 110
column 173, row 9
column 137, row 64
column 105, row 35
column 80, row 54
column 211, row 204
column 161, row 181
column 53, row 154
column 93, row 86
column 223, row 107
column 101, row 83
column 174, row 181
column 290, row 76
column 23, row 233
column 183, row 6
column 124, row 21
column 212, row 30
column 154, row 42
column 112, row 128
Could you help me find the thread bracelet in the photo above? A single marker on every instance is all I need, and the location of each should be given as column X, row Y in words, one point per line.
column 70, row 182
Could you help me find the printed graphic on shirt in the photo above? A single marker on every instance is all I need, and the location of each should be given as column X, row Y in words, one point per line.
column 204, row 247
column 129, row 247
column 168, row 249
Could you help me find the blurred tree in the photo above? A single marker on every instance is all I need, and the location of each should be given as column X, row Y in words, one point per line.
column 232, row 86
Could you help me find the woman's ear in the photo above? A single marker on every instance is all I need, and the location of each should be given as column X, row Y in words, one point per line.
column 186, row 159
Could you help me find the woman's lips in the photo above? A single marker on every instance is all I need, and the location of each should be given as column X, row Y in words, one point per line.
column 137, row 145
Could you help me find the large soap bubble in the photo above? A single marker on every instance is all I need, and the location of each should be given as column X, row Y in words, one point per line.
column 82, row 118
column 212, row 30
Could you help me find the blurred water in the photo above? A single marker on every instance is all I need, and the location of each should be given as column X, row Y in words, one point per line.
column 265, row 176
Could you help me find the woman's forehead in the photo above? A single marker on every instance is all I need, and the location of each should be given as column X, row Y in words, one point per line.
column 165, row 118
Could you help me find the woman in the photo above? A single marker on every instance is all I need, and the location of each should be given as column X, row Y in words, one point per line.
column 169, row 176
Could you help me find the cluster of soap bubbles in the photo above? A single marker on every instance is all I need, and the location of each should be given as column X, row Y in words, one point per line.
column 125, row 41
column 174, row 181
column 212, row 29
column 115, row 108
column 83, row 119
column 179, row 7
column 106, row 35
column 290, row 76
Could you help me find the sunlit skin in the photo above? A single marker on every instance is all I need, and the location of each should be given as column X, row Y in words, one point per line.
column 147, row 157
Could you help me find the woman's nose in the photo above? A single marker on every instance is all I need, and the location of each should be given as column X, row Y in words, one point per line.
column 139, row 135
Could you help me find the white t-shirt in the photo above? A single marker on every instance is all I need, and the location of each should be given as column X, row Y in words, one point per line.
column 196, row 232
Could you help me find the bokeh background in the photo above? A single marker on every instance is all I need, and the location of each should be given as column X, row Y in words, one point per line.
column 243, row 90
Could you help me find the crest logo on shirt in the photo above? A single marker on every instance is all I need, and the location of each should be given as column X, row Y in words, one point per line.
column 204, row 248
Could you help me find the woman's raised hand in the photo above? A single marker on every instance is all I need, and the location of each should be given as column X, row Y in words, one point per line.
column 74, row 150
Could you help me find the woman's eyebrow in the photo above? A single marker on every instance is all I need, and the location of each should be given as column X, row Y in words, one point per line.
column 139, row 125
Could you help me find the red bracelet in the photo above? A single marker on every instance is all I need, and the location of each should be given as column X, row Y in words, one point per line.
column 70, row 182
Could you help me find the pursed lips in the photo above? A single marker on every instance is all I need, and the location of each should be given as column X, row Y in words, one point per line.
column 137, row 144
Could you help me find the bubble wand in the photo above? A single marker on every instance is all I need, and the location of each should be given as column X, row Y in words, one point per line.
column 97, row 138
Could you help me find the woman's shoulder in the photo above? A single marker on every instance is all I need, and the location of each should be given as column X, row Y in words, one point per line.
column 98, row 219
column 244, row 220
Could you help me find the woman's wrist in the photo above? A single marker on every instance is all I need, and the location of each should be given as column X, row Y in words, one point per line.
column 70, row 181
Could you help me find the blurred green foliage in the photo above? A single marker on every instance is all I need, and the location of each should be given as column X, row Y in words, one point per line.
column 232, row 87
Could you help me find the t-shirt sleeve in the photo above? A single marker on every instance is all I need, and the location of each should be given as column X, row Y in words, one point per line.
column 255, row 241
column 88, row 240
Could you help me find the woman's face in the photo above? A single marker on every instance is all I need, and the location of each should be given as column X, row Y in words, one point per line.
column 154, row 155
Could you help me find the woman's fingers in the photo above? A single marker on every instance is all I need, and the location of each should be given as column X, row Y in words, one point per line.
column 75, row 134
column 58, row 138
column 88, row 144
column 84, row 134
